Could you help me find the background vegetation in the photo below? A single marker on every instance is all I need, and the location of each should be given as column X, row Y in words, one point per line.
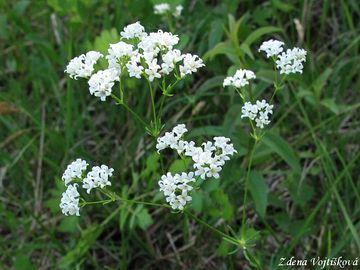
column 305, row 181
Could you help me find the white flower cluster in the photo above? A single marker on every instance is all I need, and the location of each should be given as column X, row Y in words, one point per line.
column 101, row 83
column 97, row 177
column 165, row 8
column 83, row 65
column 139, row 54
column 259, row 112
column 272, row 47
column 74, row 170
column 69, row 203
column 176, row 188
column 287, row 62
column 240, row 78
column 291, row 61
column 134, row 30
column 208, row 158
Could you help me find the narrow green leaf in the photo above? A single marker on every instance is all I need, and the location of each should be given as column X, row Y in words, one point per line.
column 259, row 192
column 319, row 83
column 221, row 48
column 144, row 219
column 283, row 149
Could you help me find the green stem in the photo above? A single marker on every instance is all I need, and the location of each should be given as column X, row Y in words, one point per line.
column 152, row 103
column 166, row 92
column 274, row 93
column 239, row 92
column 277, row 87
column 247, row 183
column 97, row 202
column 251, row 92
column 142, row 202
column 213, row 229
column 115, row 197
column 122, row 103
column 121, row 90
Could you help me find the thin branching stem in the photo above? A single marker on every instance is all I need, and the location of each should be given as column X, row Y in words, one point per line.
column 153, row 103
column 122, row 103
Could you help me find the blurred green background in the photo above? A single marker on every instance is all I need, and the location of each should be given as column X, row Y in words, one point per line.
column 305, row 188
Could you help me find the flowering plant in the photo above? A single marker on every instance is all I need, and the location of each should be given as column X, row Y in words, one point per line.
column 153, row 57
column 258, row 112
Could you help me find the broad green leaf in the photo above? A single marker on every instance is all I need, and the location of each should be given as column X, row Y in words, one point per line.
column 223, row 249
column 144, row 220
column 283, row 149
column 152, row 164
column 216, row 81
column 254, row 36
column 221, row 48
column 102, row 42
column 222, row 206
column 259, row 192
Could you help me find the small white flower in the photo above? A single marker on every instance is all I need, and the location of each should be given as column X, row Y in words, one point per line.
column 271, row 47
column 101, row 83
column 74, row 170
column 83, row 65
column 97, row 177
column 181, row 146
column 228, row 81
column 134, row 30
column 213, row 171
column 70, row 201
column 191, row 63
column 179, row 130
column 134, row 69
column 152, row 70
column 161, row 8
column 169, row 60
column 259, row 112
column 117, row 52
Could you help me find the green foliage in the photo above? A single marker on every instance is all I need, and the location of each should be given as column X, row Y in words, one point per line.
column 303, row 188
column 259, row 190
